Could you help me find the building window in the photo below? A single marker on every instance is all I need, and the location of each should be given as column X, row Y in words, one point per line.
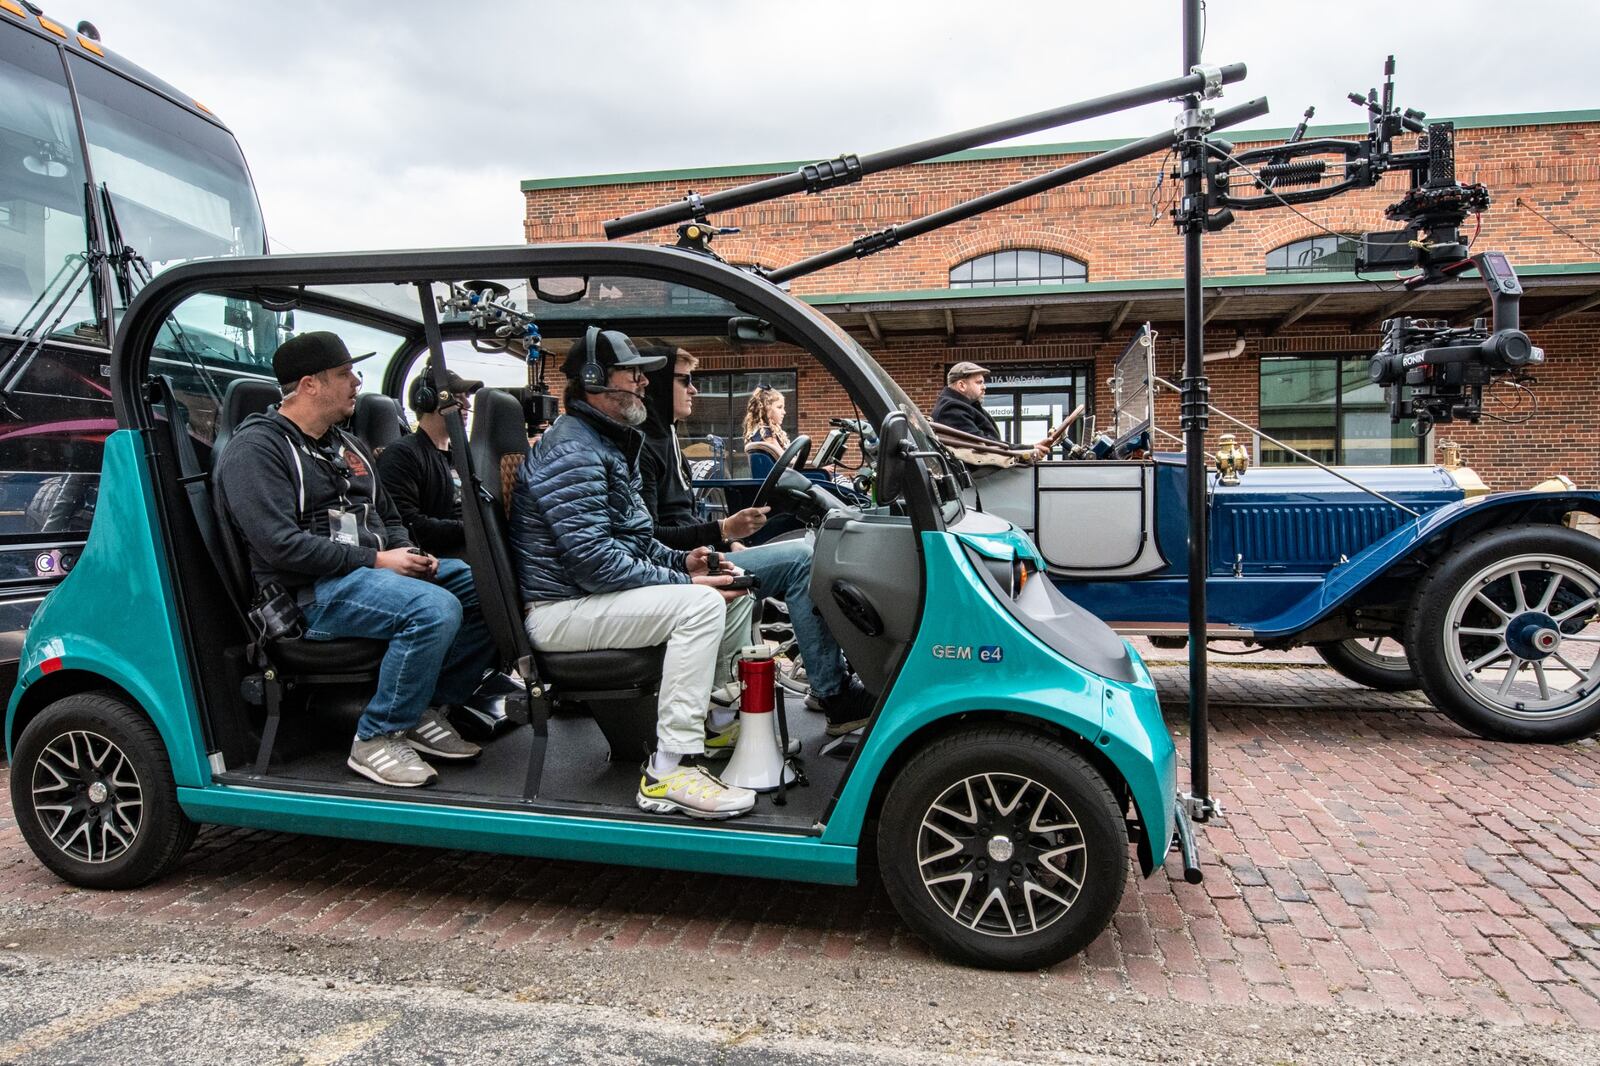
column 1022, row 266
column 1316, row 254
column 1327, row 407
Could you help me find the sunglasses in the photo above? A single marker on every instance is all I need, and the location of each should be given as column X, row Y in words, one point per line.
column 686, row 380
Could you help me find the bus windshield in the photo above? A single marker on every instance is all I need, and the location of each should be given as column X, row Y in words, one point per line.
column 44, row 273
column 178, row 185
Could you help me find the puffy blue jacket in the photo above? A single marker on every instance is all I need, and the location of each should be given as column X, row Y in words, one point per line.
column 578, row 525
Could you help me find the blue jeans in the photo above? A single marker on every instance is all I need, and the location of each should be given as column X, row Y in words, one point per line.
column 784, row 570
column 438, row 644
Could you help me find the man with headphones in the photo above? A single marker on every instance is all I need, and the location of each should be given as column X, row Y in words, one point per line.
column 417, row 472
column 593, row 575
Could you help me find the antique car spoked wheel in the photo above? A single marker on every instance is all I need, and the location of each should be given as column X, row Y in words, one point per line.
column 1376, row 662
column 1504, row 633
column 1526, row 632
column 1001, row 854
column 87, row 794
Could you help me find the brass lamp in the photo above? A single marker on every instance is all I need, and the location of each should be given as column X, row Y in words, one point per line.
column 1232, row 459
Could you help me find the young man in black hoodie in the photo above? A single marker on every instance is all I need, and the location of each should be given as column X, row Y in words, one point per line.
column 783, row 569
column 303, row 494
column 417, row 473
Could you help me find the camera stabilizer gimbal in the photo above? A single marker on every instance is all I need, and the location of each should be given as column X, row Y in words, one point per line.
column 1430, row 372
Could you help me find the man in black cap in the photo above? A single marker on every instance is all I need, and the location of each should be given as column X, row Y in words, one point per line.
column 594, row 576
column 960, row 406
column 303, row 495
column 417, row 472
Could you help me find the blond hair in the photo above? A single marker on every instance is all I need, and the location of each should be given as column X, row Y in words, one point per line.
column 758, row 415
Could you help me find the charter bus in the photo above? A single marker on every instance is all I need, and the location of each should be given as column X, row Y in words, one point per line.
column 107, row 174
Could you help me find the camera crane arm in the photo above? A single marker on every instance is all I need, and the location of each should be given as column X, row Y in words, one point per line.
column 849, row 168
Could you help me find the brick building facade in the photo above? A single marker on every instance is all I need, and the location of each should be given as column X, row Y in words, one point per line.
column 1271, row 331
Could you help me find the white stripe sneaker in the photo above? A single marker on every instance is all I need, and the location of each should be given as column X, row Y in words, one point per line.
column 435, row 736
column 389, row 760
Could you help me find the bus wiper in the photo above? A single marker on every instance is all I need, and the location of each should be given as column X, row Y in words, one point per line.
column 76, row 273
column 125, row 260
column 132, row 267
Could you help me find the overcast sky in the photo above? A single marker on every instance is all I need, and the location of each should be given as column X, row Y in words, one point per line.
column 410, row 124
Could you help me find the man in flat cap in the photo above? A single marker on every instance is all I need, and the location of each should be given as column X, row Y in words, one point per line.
column 960, row 406
column 304, row 496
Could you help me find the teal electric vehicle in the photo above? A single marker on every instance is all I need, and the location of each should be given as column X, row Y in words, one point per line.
column 1015, row 763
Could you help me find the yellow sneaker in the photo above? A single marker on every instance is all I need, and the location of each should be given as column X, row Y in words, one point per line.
column 721, row 744
column 692, row 791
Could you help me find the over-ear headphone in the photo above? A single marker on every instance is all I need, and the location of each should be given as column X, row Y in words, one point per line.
column 593, row 375
column 424, row 397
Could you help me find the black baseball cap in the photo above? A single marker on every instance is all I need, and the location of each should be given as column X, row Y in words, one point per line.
column 454, row 383
column 612, row 349
column 311, row 353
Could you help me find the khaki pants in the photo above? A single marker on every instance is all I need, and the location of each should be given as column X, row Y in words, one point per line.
column 702, row 634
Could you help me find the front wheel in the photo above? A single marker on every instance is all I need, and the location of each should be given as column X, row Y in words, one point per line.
column 1505, row 631
column 1002, row 848
column 93, row 794
column 1376, row 662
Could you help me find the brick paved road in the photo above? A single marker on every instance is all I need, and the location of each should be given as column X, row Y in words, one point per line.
column 1372, row 855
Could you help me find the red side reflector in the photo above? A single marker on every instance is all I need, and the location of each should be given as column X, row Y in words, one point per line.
column 50, row 666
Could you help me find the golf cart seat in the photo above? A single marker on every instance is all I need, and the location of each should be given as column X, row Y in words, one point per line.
column 617, row 686
column 243, row 398
column 313, row 660
column 378, row 421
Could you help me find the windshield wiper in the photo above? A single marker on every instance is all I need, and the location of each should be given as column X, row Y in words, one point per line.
column 77, row 272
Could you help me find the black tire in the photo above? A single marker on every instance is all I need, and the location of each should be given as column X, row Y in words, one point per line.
column 1029, row 777
column 1504, row 634
column 1373, row 668
column 125, row 833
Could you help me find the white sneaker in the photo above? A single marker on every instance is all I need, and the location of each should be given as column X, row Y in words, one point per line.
column 691, row 790
column 720, row 743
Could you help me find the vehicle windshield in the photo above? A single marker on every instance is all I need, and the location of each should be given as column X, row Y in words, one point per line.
column 178, row 185
column 44, row 277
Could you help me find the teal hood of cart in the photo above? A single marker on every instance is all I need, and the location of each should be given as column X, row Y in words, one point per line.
column 972, row 655
column 115, row 617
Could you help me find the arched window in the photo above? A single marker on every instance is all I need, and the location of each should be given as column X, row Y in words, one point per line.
column 1325, row 253
column 1021, row 266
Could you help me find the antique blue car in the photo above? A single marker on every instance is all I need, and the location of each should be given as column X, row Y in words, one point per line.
column 1399, row 576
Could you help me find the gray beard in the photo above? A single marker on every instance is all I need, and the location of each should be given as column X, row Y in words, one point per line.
column 633, row 412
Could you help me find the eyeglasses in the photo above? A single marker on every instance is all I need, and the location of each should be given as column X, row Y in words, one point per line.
column 686, row 380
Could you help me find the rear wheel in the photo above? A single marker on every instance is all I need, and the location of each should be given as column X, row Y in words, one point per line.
column 93, row 794
column 1376, row 662
column 1003, row 848
column 1505, row 632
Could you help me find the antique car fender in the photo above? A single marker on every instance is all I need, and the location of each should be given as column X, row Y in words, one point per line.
column 1452, row 521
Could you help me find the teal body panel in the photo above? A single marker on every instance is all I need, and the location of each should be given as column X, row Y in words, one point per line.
column 1123, row 720
column 678, row 846
column 115, row 614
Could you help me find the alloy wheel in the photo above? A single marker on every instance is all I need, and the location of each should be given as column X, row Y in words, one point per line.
column 1002, row 854
column 87, row 796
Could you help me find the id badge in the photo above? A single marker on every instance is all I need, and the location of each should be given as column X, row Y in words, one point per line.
column 342, row 527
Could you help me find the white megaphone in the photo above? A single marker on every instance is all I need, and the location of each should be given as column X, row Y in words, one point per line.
column 757, row 764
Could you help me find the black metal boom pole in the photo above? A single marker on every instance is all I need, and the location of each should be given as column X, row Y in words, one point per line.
column 872, row 243
column 831, row 173
column 1195, row 400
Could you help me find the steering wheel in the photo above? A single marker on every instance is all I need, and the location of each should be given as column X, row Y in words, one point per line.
column 795, row 455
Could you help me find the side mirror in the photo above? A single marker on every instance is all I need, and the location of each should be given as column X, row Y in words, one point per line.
column 748, row 329
column 894, row 438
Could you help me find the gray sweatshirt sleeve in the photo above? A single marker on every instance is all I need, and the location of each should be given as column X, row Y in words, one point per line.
column 257, row 483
